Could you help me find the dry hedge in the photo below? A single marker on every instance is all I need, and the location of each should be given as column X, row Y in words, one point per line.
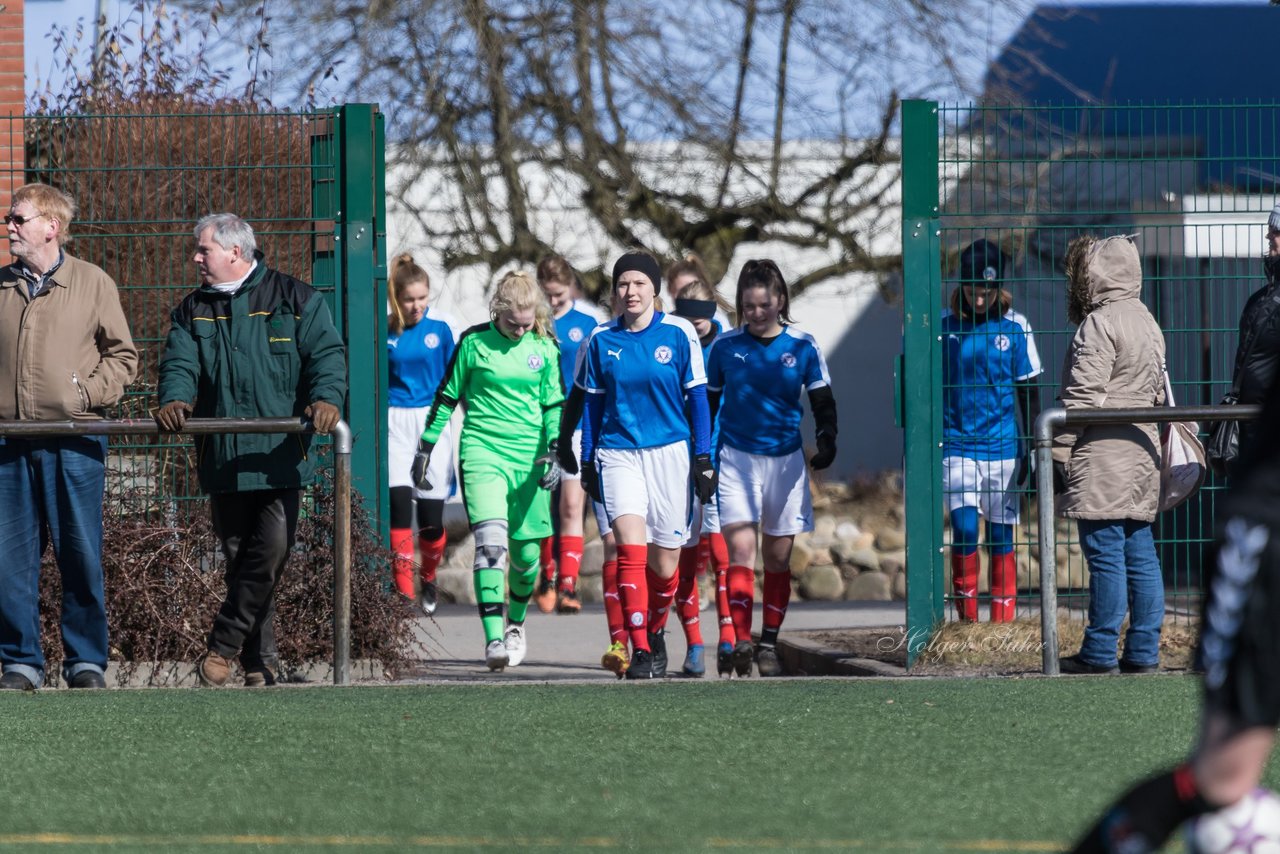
column 164, row 583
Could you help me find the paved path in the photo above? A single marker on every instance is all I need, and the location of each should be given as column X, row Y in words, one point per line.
column 568, row 648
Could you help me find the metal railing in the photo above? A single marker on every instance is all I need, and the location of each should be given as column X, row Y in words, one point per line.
column 1050, row 421
column 203, row 426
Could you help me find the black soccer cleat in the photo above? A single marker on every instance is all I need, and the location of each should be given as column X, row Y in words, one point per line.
column 767, row 661
column 724, row 659
column 658, row 646
column 641, row 665
column 742, row 655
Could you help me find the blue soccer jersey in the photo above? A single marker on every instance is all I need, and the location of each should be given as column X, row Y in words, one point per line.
column 760, row 387
column 417, row 359
column 572, row 328
column 644, row 376
column 981, row 362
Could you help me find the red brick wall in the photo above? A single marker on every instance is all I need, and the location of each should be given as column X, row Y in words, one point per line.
column 12, row 98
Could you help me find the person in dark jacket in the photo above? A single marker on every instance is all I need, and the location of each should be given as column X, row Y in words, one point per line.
column 1258, row 346
column 250, row 342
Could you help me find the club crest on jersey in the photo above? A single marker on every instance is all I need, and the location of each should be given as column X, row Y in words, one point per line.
column 432, row 340
column 535, row 362
column 663, row 354
column 1001, row 342
column 788, row 360
column 575, row 334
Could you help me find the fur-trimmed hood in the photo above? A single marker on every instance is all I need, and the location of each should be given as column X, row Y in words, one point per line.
column 1100, row 272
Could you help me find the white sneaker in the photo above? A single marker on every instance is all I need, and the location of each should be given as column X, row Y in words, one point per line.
column 495, row 655
column 513, row 640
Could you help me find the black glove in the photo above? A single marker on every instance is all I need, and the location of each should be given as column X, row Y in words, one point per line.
column 826, row 452
column 1059, row 477
column 704, row 478
column 591, row 479
column 564, row 456
column 1025, row 468
column 551, row 478
column 421, row 460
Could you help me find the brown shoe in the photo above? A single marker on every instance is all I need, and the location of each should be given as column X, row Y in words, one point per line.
column 213, row 670
column 259, row 677
column 567, row 601
column 545, row 597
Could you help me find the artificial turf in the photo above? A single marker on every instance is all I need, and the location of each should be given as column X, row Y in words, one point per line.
column 897, row 765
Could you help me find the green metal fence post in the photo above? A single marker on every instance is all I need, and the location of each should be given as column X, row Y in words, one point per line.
column 921, row 392
column 360, row 228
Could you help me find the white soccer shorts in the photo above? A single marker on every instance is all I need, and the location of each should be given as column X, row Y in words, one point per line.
column 772, row 492
column 706, row 520
column 652, row 483
column 985, row 484
column 404, row 429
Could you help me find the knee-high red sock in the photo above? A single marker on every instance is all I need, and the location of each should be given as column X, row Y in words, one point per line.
column 964, row 583
column 777, row 593
column 1004, row 588
column 432, row 551
column 402, row 563
column 662, row 591
column 719, row 550
column 703, row 553
column 570, row 561
column 547, row 559
column 612, row 604
column 687, row 596
column 742, row 589
column 633, row 589
column 723, row 615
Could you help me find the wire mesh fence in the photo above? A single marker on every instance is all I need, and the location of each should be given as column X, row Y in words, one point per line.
column 141, row 177
column 1193, row 183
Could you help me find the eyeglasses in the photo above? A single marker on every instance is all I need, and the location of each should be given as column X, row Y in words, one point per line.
column 20, row 220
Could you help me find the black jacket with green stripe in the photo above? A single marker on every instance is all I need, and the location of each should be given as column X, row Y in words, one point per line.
column 267, row 351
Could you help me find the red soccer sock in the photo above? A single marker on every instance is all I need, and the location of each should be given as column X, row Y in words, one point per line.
column 402, row 563
column 964, row 583
column 687, row 596
column 703, row 554
column 1004, row 588
column 719, row 550
column 777, row 593
column 547, row 559
column 725, row 618
column 661, row 593
column 741, row 589
column 633, row 590
column 612, row 604
column 570, row 561
column 432, row 552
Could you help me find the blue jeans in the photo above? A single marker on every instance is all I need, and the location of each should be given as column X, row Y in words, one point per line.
column 1124, row 575
column 51, row 490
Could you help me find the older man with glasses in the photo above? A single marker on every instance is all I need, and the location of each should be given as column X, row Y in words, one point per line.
column 65, row 354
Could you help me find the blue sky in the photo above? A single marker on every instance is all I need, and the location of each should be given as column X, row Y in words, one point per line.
column 42, row 15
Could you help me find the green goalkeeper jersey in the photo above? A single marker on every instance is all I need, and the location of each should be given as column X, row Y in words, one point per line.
column 510, row 390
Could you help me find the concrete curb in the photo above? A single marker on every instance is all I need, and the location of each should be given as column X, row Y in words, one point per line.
column 802, row 657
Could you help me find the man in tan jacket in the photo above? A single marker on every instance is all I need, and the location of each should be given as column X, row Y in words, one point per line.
column 65, row 353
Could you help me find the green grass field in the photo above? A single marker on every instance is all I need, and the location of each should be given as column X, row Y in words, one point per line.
column 908, row 765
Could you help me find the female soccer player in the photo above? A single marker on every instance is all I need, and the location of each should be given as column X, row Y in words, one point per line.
column 638, row 371
column 988, row 369
column 755, row 375
column 507, row 372
column 573, row 325
column 420, row 342
column 697, row 304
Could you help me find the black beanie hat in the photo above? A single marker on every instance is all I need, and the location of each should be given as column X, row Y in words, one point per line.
column 982, row 263
column 640, row 262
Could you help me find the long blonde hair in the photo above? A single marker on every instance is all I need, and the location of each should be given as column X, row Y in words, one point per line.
column 404, row 272
column 518, row 291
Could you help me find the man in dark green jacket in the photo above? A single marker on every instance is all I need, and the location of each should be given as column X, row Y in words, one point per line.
column 250, row 342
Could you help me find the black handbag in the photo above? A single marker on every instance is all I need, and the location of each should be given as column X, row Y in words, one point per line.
column 1224, row 441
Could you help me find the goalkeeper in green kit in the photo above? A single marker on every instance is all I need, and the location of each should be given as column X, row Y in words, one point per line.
column 507, row 374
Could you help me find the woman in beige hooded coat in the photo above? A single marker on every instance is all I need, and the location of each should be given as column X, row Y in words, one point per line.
column 1111, row 473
